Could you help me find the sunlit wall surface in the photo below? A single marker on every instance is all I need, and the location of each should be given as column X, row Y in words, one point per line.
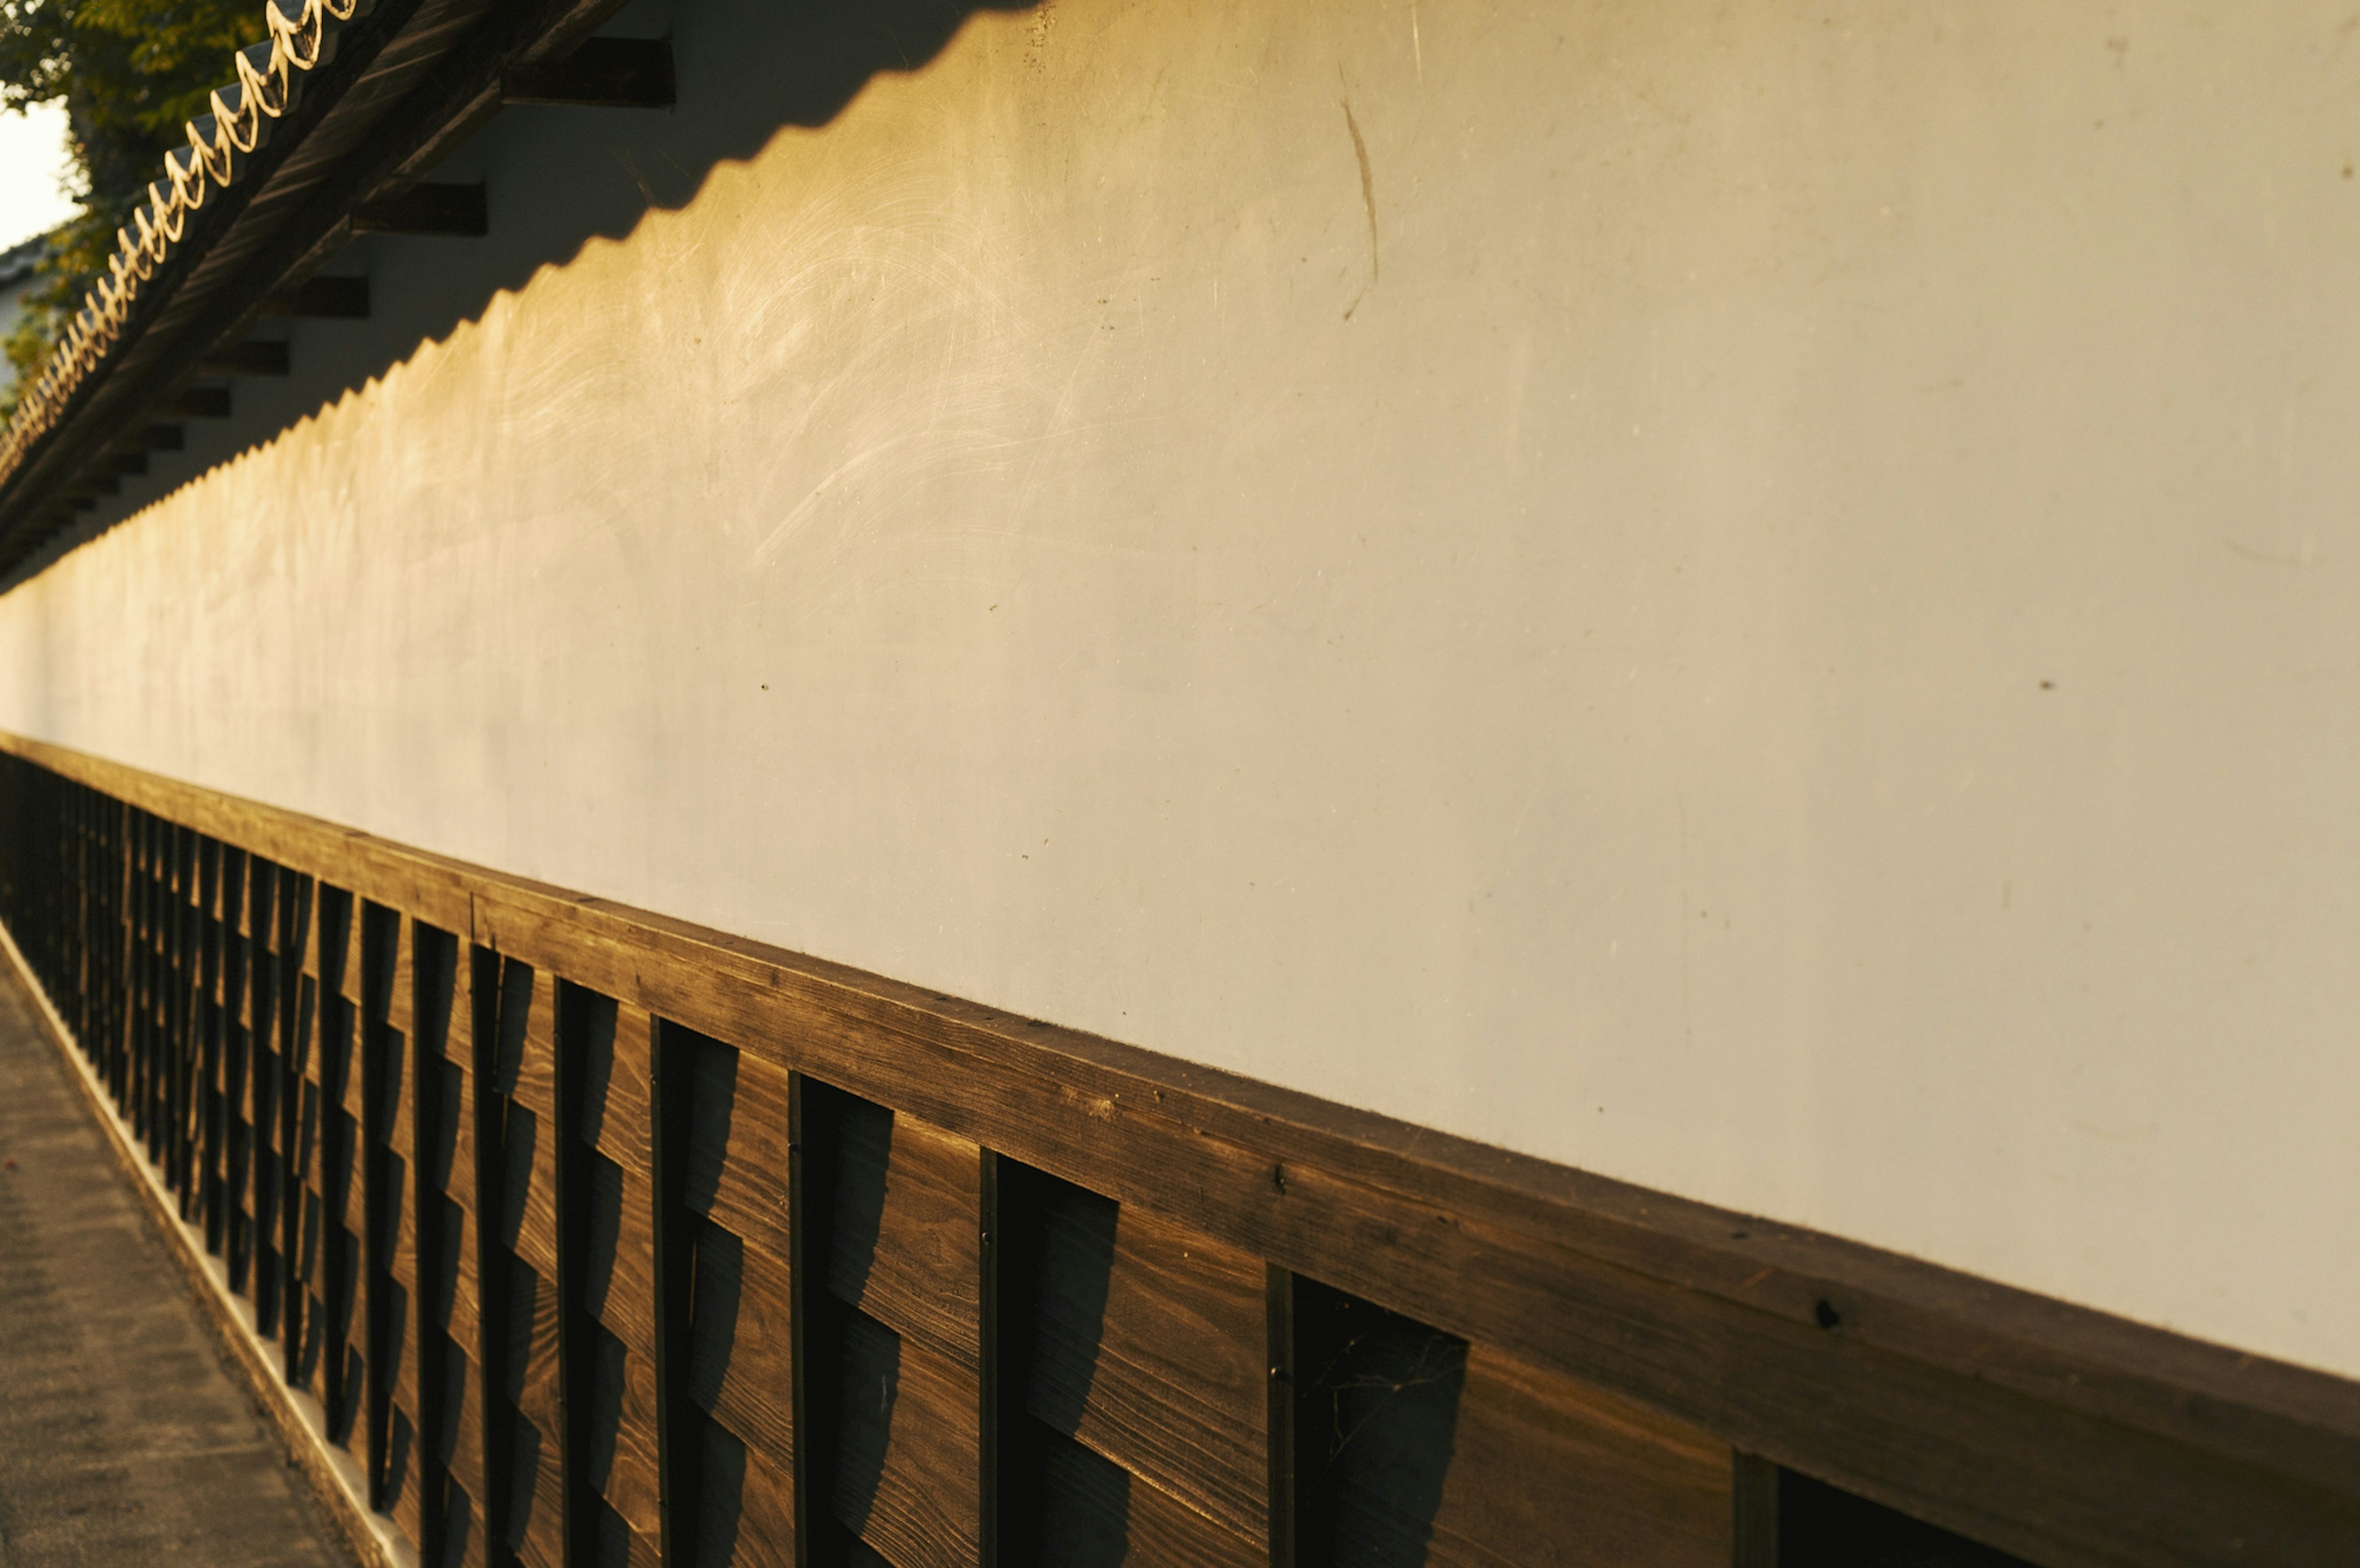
column 1757, row 600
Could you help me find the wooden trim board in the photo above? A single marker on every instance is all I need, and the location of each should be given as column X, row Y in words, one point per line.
column 2063, row 1435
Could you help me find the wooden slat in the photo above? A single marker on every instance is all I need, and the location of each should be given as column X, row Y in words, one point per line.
column 904, row 1245
column 539, row 1495
column 465, row 1423
column 615, row 1115
column 764, row 1534
column 1546, row 1473
column 402, row 1472
column 401, row 980
column 529, row 1188
column 1095, row 1511
column 1152, row 1348
column 463, row 1511
column 906, row 1478
column 401, row 1256
column 532, row 1349
column 738, row 1159
column 403, row 1370
column 625, row 1397
column 535, row 1086
column 621, row 1284
column 741, row 1351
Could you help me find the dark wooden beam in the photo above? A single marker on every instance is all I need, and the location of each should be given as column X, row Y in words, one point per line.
column 448, row 211
column 602, row 73
column 324, row 298
column 197, row 403
column 163, row 437
column 255, row 357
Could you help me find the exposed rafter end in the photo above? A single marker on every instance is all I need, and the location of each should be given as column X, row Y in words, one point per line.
column 324, row 298
column 600, row 73
column 454, row 211
column 163, row 437
column 252, row 357
column 197, row 403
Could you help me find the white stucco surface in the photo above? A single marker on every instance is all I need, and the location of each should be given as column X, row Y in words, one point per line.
column 1755, row 599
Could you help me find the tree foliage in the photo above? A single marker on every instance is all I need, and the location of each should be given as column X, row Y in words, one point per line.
column 131, row 74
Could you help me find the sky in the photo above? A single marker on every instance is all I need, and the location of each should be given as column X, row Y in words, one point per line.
column 32, row 169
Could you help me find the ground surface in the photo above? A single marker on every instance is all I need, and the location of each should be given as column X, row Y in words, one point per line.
column 124, row 1438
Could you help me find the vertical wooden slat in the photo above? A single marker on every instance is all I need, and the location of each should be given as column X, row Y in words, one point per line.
column 230, row 1009
column 671, row 1088
column 615, row 1290
column 442, row 1153
column 1141, row 1357
column 342, row 1327
column 1755, row 1488
column 486, row 1114
column 579, row 1504
column 732, row 1160
column 390, row 1271
column 995, row 1531
column 515, row 1125
column 604, row 1286
column 298, row 1119
column 1278, row 1297
column 205, row 1018
column 262, row 1186
column 886, row 1263
column 819, row 1541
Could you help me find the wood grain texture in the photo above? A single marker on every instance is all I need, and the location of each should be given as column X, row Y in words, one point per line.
column 461, row 1442
column 737, row 1162
column 621, row 1464
column 1095, row 1511
column 615, row 1113
column 741, row 1343
column 534, row 1387
column 905, row 1465
column 2064, row 1435
column 1548, row 1474
column 1151, row 1349
column 745, row 1513
column 537, row 1527
column 619, row 1283
column 904, row 1246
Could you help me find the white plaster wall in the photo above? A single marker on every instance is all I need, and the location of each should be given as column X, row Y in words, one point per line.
column 1771, row 614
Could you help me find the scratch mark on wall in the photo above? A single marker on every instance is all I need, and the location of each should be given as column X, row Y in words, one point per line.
column 1368, row 200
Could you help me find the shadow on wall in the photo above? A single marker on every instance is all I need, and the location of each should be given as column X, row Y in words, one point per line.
column 556, row 179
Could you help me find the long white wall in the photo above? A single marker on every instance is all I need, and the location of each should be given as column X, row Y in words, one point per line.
column 1755, row 598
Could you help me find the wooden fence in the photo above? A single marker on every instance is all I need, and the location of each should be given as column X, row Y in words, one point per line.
column 602, row 1239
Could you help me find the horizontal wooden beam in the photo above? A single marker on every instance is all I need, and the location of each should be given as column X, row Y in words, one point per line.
column 255, row 357
column 163, row 437
column 601, row 74
column 324, row 298
column 446, row 211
